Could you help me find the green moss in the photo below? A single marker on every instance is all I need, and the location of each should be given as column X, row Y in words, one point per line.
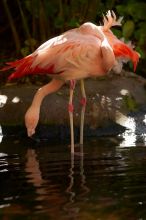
column 130, row 103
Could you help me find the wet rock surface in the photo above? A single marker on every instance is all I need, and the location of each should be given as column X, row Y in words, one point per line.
column 111, row 102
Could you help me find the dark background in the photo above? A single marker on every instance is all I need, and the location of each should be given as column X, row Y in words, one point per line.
column 25, row 24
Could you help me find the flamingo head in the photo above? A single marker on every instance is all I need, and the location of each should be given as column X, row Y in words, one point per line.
column 121, row 50
column 124, row 51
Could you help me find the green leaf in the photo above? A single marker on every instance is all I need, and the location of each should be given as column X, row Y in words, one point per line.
column 130, row 103
column 137, row 10
column 25, row 51
column 73, row 23
column 128, row 29
column 30, row 42
column 117, row 32
column 59, row 22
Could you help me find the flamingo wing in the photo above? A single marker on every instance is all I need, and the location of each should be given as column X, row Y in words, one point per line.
column 25, row 65
column 66, row 54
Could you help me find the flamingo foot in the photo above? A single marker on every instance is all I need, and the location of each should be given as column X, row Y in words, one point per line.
column 79, row 149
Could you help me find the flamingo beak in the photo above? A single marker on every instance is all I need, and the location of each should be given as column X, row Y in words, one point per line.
column 134, row 65
column 135, row 60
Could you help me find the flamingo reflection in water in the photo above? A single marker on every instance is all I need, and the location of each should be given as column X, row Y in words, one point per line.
column 43, row 187
column 71, row 207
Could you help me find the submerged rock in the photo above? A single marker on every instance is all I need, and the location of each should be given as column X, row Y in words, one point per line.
column 111, row 101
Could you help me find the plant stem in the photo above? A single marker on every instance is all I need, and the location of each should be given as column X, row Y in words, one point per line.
column 12, row 25
column 25, row 25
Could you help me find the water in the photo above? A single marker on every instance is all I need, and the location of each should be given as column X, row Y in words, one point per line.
column 42, row 181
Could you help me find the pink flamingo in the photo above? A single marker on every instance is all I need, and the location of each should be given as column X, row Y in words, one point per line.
column 87, row 51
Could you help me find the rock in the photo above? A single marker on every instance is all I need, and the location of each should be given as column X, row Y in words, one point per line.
column 111, row 100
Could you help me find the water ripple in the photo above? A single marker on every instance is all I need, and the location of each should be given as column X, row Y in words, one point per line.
column 106, row 182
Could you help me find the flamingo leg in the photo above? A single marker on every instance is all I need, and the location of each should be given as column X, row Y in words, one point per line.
column 71, row 109
column 83, row 103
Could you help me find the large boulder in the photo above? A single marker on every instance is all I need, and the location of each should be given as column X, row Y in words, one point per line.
column 112, row 101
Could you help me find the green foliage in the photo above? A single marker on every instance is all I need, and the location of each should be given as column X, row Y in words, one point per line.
column 135, row 27
column 130, row 103
column 128, row 29
column 27, row 45
column 43, row 19
column 134, row 9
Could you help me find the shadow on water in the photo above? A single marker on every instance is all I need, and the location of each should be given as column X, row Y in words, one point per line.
column 107, row 182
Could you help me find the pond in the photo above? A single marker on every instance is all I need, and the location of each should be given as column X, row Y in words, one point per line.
column 43, row 181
